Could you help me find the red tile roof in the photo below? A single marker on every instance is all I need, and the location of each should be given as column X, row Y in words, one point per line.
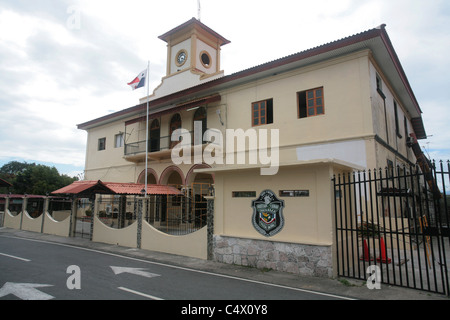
column 92, row 187
column 133, row 188
column 84, row 187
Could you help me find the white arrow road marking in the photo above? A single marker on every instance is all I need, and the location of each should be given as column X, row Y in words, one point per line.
column 25, row 291
column 136, row 271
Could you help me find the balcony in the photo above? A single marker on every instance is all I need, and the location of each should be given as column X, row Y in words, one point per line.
column 158, row 148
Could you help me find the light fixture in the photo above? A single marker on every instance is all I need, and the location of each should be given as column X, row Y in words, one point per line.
column 194, row 108
column 220, row 116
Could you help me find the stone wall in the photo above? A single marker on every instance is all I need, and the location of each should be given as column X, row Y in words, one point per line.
column 286, row 257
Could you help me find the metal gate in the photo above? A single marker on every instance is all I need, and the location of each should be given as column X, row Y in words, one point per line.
column 396, row 219
column 83, row 227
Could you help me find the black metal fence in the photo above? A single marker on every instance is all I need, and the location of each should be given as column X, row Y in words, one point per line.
column 176, row 215
column 117, row 211
column 171, row 214
column 396, row 219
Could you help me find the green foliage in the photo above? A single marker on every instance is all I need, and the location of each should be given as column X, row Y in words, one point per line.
column 31, row 178
column 369, row 229
column 14, row 167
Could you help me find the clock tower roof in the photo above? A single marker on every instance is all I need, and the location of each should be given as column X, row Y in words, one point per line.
column 190, row 27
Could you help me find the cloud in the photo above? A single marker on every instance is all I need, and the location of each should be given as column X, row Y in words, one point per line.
column 56, row 79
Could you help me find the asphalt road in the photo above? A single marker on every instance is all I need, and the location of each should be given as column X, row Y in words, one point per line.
column 35, row 269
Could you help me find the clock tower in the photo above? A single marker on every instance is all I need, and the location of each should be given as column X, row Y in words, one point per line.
column 193, row 56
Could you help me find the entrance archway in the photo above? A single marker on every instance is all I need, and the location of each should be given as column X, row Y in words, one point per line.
column 172, row 176
column 193, row 177
column 152, row 177
column 172, row 208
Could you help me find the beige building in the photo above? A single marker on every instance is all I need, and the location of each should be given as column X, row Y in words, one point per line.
column 343, row 106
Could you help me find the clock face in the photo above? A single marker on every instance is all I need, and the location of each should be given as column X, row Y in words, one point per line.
column 181, row 58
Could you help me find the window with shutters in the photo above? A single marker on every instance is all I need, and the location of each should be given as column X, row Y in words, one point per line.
column 262, row 112
column 311, row 103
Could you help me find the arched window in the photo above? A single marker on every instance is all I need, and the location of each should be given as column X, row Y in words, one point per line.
column 175, row 123
column 155, row 135
column 200, row 115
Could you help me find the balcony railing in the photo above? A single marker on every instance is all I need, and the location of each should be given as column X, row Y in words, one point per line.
column 154, row 145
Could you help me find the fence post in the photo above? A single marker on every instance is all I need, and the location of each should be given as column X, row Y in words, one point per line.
column 142, row 207
column 122, row 211
column 6, row 211
column 95, row 213
column 73, row 217
column 24, row 208
column 44, row 211
column 210, row 226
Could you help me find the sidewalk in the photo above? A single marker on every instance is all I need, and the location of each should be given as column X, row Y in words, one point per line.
column 343, row 287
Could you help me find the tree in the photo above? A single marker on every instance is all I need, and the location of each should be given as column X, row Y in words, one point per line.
column 11, row 169
column 31, row 178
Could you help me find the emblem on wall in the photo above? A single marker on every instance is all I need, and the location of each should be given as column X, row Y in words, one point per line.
column 268, row 214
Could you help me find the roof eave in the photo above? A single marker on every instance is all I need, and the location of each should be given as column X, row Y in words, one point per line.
column 193, row 23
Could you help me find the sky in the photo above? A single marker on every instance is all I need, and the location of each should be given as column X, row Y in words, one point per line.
column 66, row 62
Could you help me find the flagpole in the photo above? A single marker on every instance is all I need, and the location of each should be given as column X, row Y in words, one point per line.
column 146, row 135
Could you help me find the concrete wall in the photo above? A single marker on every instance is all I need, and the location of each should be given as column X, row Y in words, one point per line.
column 122, row 237
column 59, row 228
column 307, row 219
column 44, row 223
column 31, row 224
column 304, row 245
column 191, row 245
column 384, row 121
column 11, row 221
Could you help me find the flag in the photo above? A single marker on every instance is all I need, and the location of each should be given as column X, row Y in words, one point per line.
column 139, row 81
